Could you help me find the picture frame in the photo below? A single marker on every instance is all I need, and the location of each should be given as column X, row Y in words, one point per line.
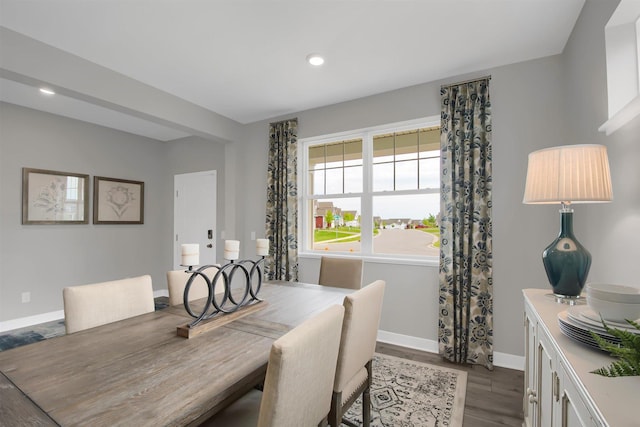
column 117, row 201
column 54, row 197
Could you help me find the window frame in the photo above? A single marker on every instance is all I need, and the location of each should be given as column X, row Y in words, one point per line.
column 366, row 196
column 622, row 57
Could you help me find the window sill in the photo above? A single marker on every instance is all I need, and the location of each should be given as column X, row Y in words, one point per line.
column 622, row 117
column 376, row 259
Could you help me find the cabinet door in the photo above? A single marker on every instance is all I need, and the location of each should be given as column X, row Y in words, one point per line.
column 530, row 394
column 572, row 411
column 545, row 378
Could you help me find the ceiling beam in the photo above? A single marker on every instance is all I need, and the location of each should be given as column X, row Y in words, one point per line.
column 31, row 62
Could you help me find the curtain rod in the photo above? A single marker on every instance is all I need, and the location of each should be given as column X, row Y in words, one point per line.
column 282, row 121
column 468, row 81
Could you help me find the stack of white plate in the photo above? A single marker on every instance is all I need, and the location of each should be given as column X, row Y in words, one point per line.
column 611, row 303
column 614, row 303
column 579, row 321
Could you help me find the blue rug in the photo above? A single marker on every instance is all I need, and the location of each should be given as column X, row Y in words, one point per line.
column 31, row 334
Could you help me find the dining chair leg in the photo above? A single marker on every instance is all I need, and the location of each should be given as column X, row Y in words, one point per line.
column 366, row 408
column 335, row 411
column 366, row 399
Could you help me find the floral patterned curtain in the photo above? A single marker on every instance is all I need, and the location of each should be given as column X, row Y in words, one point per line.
column 282, row 203
column 465, row 327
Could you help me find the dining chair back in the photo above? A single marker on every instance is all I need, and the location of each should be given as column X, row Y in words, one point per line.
column 299, row 378
column 341, row 272
column 88, row 306
column 177, row 281
column 357, row 347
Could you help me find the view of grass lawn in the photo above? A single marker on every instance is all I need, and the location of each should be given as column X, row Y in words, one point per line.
column 342, row 233
column 332, row 234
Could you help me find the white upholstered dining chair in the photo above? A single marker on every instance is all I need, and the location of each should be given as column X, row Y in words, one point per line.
column 341, row 272
column 357, row 347
column 177, row 281
column 299, row 379
column 88, row 306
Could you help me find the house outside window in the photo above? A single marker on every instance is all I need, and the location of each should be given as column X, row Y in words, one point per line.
column 373, row 192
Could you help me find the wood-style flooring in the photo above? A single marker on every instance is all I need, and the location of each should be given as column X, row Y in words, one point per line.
column 494, row 398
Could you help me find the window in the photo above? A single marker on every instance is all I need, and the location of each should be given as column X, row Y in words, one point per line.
column 373, row 192
column 622, row 39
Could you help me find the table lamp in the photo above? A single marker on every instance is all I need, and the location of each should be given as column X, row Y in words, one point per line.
column 565, row 175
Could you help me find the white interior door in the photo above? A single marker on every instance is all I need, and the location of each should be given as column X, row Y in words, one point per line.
column 194, row 214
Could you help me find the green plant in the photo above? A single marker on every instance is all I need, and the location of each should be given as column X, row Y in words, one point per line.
column 328, row 217
column 430, row 221
column 628, row 352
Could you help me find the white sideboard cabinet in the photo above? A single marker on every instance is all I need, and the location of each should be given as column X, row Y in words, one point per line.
column 560, row 389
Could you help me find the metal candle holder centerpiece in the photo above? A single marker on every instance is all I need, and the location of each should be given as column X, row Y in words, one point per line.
column 250, row 269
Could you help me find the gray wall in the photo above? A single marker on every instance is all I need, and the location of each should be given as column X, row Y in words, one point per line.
column 610, row 231
column 42, row 259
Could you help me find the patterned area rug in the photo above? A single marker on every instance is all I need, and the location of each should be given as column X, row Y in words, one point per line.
column 411, row 394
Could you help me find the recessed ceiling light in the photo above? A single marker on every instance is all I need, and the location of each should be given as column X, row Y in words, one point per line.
column 47, row 91
column 315, row 59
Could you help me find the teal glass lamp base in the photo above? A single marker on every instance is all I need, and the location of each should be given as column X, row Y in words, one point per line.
column 566, row 261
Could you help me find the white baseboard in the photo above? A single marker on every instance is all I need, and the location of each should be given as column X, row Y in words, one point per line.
column 503, row 360
column 23, row 322
column 506, row 360
column 408, row 341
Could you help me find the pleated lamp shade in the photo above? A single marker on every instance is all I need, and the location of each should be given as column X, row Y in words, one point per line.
column 568, row 173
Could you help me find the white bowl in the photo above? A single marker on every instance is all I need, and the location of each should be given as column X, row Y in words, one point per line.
column 616, row 293
column 613, row 310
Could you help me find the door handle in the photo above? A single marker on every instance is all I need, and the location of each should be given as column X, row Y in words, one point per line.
column 209, row 245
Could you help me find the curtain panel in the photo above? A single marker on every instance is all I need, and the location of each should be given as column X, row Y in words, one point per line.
column 282, row 203
column 465, row 327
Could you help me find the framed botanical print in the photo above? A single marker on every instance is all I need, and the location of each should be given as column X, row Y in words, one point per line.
column 117, row 201
column 52, row 197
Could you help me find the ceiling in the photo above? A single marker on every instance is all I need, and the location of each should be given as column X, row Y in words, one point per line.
column 245, row 59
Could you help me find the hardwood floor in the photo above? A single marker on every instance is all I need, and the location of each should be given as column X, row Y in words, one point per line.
column 494, row 398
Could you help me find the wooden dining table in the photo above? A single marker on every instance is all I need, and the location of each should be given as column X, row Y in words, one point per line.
column 139, row 372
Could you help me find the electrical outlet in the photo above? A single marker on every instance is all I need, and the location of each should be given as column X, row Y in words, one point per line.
column 26, row 297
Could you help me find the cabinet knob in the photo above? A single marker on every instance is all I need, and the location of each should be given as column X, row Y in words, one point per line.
column 533, row 398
